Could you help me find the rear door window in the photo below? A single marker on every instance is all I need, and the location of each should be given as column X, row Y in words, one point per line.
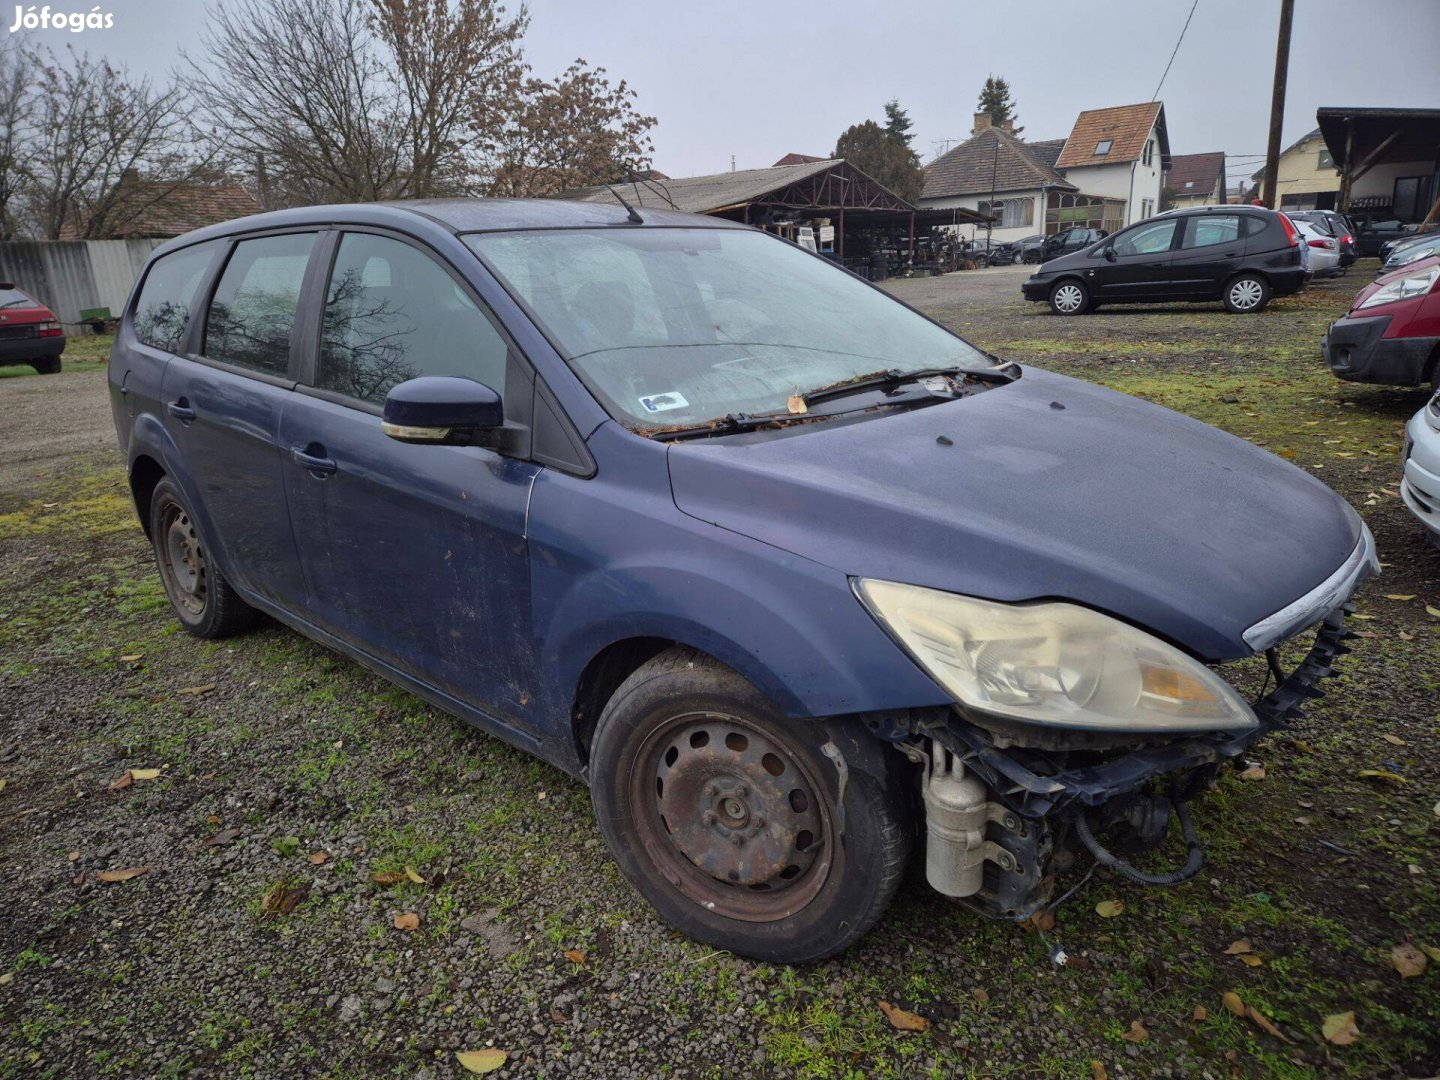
column 163, row 308
column 252, row 313
column 1210, row 230
column 393, row 313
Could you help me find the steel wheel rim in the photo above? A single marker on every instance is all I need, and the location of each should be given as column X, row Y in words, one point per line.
column 701, row 780
column 1245, row 294
column 1067, row 298
column 182, row 561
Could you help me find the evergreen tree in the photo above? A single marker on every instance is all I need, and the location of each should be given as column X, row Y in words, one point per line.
column 870, row 148
column 995, row 99
column 897, row 122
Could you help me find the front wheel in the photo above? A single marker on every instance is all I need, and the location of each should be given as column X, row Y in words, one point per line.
column 1246, row 294
column 1069, row 298
column 726, row 815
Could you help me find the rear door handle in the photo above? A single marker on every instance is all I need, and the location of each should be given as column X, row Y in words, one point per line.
column 313, row 462
column 181, row 410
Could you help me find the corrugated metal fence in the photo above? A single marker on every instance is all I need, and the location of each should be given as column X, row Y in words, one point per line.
column 70, row 275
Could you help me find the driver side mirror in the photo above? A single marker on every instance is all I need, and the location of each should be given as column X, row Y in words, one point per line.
column 1110, row 255
column 443, row 410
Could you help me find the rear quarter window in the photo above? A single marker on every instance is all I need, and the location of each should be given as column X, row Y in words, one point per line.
column 162, row 311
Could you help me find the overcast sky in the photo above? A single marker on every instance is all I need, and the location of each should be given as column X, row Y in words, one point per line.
column 756, row 79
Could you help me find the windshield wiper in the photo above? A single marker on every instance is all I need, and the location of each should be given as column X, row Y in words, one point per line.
column 894, row 378
column 731, row 423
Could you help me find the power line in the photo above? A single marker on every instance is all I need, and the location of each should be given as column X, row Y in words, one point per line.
column 1156, row 96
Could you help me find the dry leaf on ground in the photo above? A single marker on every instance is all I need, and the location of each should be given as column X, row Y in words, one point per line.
column 1383, row 774
column 1340, row 1029
column 901, row 1020
column 145, row 774
column 123, row 875
column 1233, row 1003
column 407, row 921
column 317, row 857
column 1393, row 740
column 1399, row 596
column 1200, row 1013
column 283, row 898
column 1264, row 1024
column 575, row 956
column 388, row 878
column 124, row 781
column 981, row 995
column 198, row 690
column 1409, row 961
column 1137, row 1032
column 1254, row 772
column 1250, row 960
column 1235, row 948
column 1108, row 909
column 223, row 837
column 414, row 875
column 482, row 1061
column 1097, row 1070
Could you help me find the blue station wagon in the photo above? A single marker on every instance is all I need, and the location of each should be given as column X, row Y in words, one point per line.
column 792, row 576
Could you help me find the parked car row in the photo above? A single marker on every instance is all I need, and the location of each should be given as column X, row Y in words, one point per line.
column 1335, row 225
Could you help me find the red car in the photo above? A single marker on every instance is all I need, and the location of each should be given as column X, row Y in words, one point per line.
column 1391, row 333
column 30, row 333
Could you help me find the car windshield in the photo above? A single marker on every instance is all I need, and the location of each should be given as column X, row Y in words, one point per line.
column 674, row 327
column 14, row 298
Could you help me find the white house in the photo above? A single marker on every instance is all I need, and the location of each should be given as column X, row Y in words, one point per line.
column 1107, row 174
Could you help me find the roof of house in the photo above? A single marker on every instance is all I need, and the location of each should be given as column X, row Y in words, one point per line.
column 1194, row 174
column 168, row 209
column 732, row 190
column 1258, row 173
column 1126, row 126
column 797, row 159
column 993, row 160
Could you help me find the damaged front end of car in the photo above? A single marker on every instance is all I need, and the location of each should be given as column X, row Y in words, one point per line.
column 1016, row 787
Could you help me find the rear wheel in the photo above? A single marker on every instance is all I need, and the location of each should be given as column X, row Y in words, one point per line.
column 1246, row 294
column 1030, row 257
column 1069, row 298
column 203, row 600
column 725, row 815
column 50, row 365
column 982, row 262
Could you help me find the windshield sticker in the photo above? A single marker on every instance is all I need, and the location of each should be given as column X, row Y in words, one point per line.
column 664, row 402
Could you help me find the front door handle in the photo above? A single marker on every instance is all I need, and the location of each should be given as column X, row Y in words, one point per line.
column 315, row 463
column 181, row 410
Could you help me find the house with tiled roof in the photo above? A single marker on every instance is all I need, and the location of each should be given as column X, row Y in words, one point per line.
column 161, row 209
column 1195, row 180
column 1106, row 174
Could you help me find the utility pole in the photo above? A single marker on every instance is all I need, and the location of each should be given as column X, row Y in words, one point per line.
column 1268, row 193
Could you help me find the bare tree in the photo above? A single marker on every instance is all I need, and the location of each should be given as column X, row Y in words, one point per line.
column 14, row 121
column 299, row 85
column 102, row 132
column 570, row 133
column 457, row 71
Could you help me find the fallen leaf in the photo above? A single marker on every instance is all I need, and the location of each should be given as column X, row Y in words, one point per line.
column 72, row 857
column 390, row 877
column 901, row 1020
column 1137, row 1032
column 1097, row 1070
column 317, row 857
column 123, row 875
column 1393, row 740
column 1405, row 636
column 414, row 875
column 1432, row 952
column 1340, row 1029
column 1200, row 1013
column 283, row 898
column 1254, row 772
column 558, row 1017
column 1415, row 868
column 130, row 659
column 1409, row 961
column 1303, row 747
column 1302, row 820
column 1233, row 1003
column 1264, row 1024
column 407, row 921
column 1399, row 596
column 213, row 819
column 198, row 690
column 1362, row 616
column 482, row 1061
column 144, row 774
column 981, row 995
column 1251, row 960
column 123, row 782
column 575, row 956
column 1108, row 909
column 1431, row 610
column 220, row 839
column 795, row 404
column 1235, row 948
column 1383, row 774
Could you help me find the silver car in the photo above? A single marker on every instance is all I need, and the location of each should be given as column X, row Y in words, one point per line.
column 1322, row 248
column 1420, row 485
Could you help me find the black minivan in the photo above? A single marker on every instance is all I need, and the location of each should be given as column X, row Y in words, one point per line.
column 1241, row 255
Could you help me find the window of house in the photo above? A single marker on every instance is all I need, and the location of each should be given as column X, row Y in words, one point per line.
column 1010, row 213
column 1149, row 152
column 1103, row 147
column 163, row 309
column 253, row 310
column 1147, row 208
column 393, row 313
column 1325, row 161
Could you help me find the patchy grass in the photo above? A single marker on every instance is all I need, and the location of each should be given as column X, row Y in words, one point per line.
column 84, row 354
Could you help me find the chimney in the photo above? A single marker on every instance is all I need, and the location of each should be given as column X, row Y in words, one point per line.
column 982, row 121
column 1007, row 126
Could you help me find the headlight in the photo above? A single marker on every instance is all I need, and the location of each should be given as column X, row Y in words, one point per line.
column 1052, row 663
column 1422, row 251
column 1405, row 288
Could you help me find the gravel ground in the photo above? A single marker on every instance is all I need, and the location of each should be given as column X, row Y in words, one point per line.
column 258, row 941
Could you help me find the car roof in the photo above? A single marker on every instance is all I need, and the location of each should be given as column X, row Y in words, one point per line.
column 461, row 216
column 1218, row 208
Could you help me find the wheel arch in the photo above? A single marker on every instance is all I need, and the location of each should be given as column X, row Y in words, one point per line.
column 145, row 474
column 600, row 678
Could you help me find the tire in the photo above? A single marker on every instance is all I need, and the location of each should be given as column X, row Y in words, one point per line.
column 50, row 365
column 982, row 262
column 1245, row 294
column 202, row 599
column 724, row 816
column 1031, row 257
column 1069, row 297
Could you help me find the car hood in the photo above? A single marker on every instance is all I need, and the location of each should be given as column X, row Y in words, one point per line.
column 1047, row 487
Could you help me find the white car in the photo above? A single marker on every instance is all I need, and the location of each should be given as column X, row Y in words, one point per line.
column 1324, row 249
column 1420, row 484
